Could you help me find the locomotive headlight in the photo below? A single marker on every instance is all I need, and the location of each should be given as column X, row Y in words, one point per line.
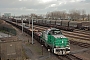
column 67, row 45
column 61, row 37
column 57, row 46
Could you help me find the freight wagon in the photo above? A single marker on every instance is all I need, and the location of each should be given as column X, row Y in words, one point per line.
column 62, row 24
column 83, row 25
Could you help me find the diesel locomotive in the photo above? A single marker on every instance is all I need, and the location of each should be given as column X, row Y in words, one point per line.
column 55, row 41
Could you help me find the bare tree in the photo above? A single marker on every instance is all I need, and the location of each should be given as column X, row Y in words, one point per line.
column 83, row 14
column 33, row 15
column 88, row 17
column 56, row 15
column 74, row 14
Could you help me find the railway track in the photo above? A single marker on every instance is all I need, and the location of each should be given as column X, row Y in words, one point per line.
column 82, row 31
column 79, row 35
column 69, row 57
column 64, row 57
column 85, row 45
column 76, row 32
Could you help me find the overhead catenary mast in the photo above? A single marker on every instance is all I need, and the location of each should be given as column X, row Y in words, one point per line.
column 22, row 23
column 0, row 14
column 32, row 30
column 29, row 21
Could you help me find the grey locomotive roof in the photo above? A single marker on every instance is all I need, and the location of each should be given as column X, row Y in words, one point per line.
column 59, row 36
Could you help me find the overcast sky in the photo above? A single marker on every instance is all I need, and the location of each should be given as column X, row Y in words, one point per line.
column 20, row 7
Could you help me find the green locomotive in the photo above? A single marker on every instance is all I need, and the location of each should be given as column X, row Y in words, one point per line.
column 56, row 41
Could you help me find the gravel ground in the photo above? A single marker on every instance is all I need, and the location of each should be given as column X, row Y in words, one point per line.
column 85, row 55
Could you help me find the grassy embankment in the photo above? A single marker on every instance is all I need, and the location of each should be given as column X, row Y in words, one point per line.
column 6, row 28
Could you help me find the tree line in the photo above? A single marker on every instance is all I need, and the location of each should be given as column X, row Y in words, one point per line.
column 71, row 15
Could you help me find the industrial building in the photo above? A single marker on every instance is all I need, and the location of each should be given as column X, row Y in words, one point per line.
column 6, row 15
